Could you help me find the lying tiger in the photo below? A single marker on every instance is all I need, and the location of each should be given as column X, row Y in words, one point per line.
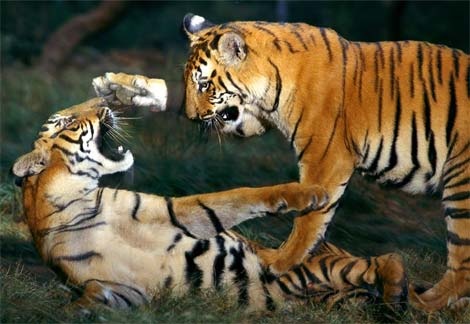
column 123, row 247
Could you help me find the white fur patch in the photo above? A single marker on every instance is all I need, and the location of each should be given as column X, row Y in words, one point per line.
column 196, row 21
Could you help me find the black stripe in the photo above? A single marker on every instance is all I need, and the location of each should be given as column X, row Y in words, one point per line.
column 215, row 42
column 193, row 272
column 277, row 45
column 412, row 76
column 399, row 51
column 289, row 47
column 278, row 86
column 346, row 270
column 283, row 287
column 376, row 70
column 330, row 140
column 310, row 275
column 222, row 84
column 176, row 239
column 457, row 174
column 380, row 104
column 362, row 70
column 323, row 267
column 76, row 229
column 202, row 61
column 327, row 43
column 452, row 112
column 373, row 166
column 456, row 166
column 241, row 276
column 432, row 156
column 455, row 57
column 462, row 182
column 426, row 112
column 431, row 76
column 458, row 213
column 393, row 159
column 454, row 239
column 69, row 139
column 219, row 261
column 136, row 206
column 299, row 37
column 258, row 26
column 78, row 257
column 241, row 91
column 300, row 276
column 302, row 152
column 439, row 66
column 213, row 217
column 297, row 123
column 381, row 53
column 457, row 196
column 419, row 56
column 174, row 221
column 414, row 158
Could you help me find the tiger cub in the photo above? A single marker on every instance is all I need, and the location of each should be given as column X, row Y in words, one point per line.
column 123, row 247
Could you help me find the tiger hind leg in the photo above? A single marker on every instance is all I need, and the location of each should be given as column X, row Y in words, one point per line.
column 332, row 275
column 454, row 287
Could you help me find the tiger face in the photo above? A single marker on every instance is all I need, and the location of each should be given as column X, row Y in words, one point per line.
column 223, row 85
column 75, row 135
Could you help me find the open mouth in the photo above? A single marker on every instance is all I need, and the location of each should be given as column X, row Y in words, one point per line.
column 108, row 141
column 230, row 113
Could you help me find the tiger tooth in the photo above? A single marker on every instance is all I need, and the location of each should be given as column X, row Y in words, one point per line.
column 120, row 149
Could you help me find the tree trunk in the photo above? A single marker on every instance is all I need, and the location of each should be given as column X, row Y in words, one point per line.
column 64, row 40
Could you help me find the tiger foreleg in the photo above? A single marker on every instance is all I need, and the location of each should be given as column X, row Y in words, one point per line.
column 207, row 215
column 305, row 237
column 121, row 89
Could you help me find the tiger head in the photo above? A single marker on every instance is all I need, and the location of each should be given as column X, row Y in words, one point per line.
column 223, row 80
column 74, row 137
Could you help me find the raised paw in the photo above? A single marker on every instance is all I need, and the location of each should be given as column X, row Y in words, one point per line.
column 305, row 198
column 120, row 89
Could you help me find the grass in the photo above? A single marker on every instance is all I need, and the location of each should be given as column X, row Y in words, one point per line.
column 172, row 160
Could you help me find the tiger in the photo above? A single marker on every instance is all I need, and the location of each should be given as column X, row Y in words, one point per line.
column 396, row 112
column 124, row 248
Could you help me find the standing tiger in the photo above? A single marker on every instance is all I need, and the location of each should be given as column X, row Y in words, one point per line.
column 123, row 247
column 398, row 112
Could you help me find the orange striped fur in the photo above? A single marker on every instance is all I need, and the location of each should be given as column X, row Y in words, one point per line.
column 398, row 112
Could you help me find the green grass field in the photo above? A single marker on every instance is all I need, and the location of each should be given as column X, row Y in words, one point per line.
column 171, row 159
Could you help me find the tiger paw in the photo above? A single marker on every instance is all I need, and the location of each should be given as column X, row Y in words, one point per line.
column 120, row 89
column 451, row 292
column 304, row 198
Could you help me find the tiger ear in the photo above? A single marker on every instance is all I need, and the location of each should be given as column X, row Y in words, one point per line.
column 31, row 163
column 232, row 48
column 193, row 24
